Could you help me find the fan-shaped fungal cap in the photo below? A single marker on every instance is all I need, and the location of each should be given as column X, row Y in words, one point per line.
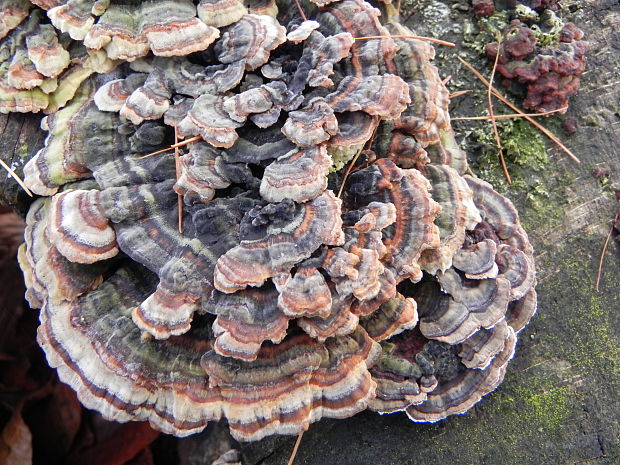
column 73, row 16
column 209, row 120
column 360, row 19
column 220, row 13
column 392, row 318
column 48, row 56
column 313, row 379
column 79, row 228
column 386, row 96
column 52, row 275
column 305, row 294
column 149, row 101
column 279, row 236
column 250, row 40
column 515, row 266
column 460, row 393
column 478, row 260
column 245, row 320
column 311, row 126
column 500, row 215
column 112, row 95
column 480, row 349
column 199, row 172
column 303, row 31
column 521, row 311
column 470, row 305
column 13, row 12
column 299, row 175
column 319, row 56
column 414, row 230
column 458, row 213
column 427, row 115
column 166, row 28
column 267, row 99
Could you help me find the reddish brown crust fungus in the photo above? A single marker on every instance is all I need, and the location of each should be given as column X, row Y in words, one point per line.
column 550, row 73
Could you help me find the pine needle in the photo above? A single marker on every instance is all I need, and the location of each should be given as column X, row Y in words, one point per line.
column 354, row 160
column 513, row 115
column 458, row 94
column 301, row 11
column 490, row 102
column 172, row 147
column 14, row 176
column 428, row 39
column 600, row 263
column 177, row 167
column 349, row 168
column 541, row 128
column 294, row 453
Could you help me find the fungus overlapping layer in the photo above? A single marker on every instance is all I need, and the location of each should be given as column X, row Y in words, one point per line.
column 273, row 297
column 40, row 70
column 547, row 62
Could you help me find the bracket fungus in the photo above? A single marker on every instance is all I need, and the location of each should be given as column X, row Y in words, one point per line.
column 314, row 251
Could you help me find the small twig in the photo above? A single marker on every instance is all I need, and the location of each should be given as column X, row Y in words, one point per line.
column 301, row 11
column 177, row 168
column 349, row 168
column 600, row 263
column 514, row 115
column 493, row 122
column 294, row 453
column 354, row 160
column 446, row 80
column 458, row 94
column 172, row 147
column 14, row 176
column 428, row 39
column 541, row 128
column 534, row 365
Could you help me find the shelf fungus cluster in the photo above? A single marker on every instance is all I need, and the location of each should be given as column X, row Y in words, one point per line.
column 331, row 254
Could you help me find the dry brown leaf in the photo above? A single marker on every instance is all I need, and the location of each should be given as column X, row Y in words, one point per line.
column 16, row 441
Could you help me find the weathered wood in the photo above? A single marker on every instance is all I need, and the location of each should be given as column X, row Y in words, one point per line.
column 20, row 138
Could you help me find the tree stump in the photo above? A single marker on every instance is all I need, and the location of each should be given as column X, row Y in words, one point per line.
column 559, row 402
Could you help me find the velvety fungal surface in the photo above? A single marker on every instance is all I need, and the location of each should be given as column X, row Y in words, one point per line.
column 314, row 250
